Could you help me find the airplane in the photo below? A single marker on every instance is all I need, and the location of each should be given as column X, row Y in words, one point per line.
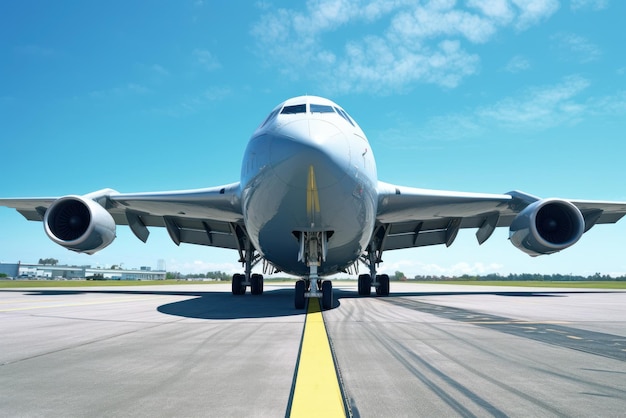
column 309, row 203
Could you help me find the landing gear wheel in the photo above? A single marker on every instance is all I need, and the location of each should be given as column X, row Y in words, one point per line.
column 239, row 288
column 365, row 284
column 327, row 294
column 299, row 294
column 383, row 285
column 256, row 284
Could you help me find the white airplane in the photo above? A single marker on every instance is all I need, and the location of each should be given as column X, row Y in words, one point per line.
column 309, row 203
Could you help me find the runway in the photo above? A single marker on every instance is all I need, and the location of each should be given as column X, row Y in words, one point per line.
column 197, row 350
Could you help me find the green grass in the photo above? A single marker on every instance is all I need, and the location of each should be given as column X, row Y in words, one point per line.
column 533, row 283
column 8, row 284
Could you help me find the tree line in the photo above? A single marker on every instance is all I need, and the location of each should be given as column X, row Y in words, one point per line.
column 215, row 275
column 526, row 277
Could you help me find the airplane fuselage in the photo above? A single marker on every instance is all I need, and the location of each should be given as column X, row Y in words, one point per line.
column 309, row 168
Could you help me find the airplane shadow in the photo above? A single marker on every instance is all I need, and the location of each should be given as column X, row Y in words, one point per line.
column 273, row 303
column 201, row 305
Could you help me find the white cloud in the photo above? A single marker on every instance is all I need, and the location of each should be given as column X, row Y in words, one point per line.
column 536, row 108
column 577, row 47
column 120, row 91
column 191, row 104
column 432, row 269
column 532, row 12
column 206, row 59
column 396, row 43
column 199, row 267
column 517, row 64
column 539, row 107
column 614, row 104
column 159, row 70
column 589, row 4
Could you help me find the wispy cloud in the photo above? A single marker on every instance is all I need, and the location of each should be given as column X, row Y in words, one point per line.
column 539, row 107
column 120, row 91
column 534, row 109
column 612, row 105
column 159, row 70
column 433, row 269
column 200, row 267
column 206, row 59
column 517, row 64
column 396, row 43
column 575, row 47
column 192, row 104
column 589, row 4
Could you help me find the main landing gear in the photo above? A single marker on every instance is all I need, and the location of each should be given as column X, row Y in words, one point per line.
column 249, row 258
column 372, row 258
column 313, row 253
column 381, row 284
column 240, row 284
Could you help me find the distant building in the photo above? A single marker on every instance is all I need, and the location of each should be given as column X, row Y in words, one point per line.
column 33, row 271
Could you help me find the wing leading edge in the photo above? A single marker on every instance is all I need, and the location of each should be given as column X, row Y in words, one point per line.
column 210, row 216
column 411, row 217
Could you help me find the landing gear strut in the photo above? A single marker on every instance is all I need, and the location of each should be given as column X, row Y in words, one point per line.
column 313, row 252
column 372, row 259
column 249, row 258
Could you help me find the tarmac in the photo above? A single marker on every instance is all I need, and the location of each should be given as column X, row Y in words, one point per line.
column 426, row 350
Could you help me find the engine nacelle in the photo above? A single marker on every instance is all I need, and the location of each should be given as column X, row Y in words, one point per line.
column 79, row 224
column 547, row 226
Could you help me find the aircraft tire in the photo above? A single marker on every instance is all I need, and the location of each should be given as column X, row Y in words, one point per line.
column 365, row 285
column 256, row 284
column 327, row 294
column 299, row 294
column 383, row 285
column 238, row 287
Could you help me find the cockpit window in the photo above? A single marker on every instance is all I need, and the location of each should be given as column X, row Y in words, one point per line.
column 289, row 110
column 344, row 115
column 318, row 108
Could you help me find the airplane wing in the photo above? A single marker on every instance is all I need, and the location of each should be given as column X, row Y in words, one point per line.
column 210, row 216
column 410, row 217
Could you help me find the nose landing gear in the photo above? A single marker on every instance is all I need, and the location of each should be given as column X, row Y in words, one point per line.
column 313, row 247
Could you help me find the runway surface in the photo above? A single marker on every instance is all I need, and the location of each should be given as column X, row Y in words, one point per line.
column 426, row 350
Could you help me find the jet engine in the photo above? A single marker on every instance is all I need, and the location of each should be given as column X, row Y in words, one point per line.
column 79, row 224
column 547, row 226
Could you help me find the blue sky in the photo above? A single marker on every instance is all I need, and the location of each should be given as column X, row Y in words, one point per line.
column 484, row 96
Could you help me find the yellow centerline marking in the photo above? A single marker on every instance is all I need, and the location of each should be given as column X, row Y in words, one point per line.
column 66, row 305
column 317, row 392
column 312, row 197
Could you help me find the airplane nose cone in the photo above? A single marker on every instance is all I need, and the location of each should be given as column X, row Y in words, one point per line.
column 298, row 145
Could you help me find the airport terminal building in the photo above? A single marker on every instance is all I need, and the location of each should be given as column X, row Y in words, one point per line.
column 59, row 272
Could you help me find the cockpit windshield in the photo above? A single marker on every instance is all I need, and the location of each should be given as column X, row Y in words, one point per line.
column 318, row 108
column 289, row 110
column 304, row 108
column 344, row 115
